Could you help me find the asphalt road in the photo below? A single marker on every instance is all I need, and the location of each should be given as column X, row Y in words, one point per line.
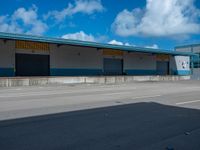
column 139, row 116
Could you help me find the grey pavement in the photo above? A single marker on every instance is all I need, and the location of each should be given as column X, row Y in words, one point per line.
column 140, row 115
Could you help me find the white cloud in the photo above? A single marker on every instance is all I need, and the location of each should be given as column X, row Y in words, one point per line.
column 82, row 36
column 115, row 42
column 27, row 16
column 154, row 46
column 23, row 21
column 159, row 18
column 127, row 44
column 7, row 26
column 80, row 6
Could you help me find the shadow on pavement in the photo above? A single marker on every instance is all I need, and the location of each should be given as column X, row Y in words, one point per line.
column 140, row 126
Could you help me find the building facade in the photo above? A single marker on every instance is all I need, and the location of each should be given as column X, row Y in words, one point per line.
column 195, row 61
column 23, row 55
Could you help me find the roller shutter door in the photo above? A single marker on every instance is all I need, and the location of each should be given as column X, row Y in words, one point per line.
column 32, row 65
column 113, row 66
column 163, row 68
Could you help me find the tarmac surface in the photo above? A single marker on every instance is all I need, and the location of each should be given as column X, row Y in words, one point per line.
column 138, row 116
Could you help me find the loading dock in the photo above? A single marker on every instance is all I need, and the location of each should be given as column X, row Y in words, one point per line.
column 162, row 64
column 32, row 58
column 113, row 66
column 162, row 67
column 24, row 55
column 32, row 65
column 113, row 63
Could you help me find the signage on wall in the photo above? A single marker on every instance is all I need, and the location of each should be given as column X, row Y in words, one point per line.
column 108, row 52
column 184, row 64
column 29, row 45
column 162, row 57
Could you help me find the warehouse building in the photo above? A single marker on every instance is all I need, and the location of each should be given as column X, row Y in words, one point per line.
column 25, row 55
column 195, row 61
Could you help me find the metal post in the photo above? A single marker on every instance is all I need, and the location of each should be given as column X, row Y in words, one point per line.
column 192, row 62
column 198, row 67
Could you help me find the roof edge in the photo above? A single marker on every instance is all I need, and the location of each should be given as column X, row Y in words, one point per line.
column 14, row 36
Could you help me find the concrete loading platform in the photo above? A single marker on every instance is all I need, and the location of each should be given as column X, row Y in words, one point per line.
column 39, row 81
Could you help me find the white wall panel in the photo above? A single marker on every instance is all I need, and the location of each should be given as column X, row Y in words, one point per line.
column 7, row 54
column 75, row 57
column 139, row 61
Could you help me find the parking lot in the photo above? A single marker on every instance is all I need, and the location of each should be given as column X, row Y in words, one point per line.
column 140, row 115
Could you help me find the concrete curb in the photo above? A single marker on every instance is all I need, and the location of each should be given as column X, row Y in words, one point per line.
column 39, row 81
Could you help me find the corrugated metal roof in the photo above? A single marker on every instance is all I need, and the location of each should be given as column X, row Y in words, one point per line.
column 89, row 44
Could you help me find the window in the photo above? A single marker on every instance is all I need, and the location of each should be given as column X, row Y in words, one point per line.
column 196, row 61
column 196, row 65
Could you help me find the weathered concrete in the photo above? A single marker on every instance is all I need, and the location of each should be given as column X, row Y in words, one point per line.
column 99, row 80
column 139, row 116
column 34, row 81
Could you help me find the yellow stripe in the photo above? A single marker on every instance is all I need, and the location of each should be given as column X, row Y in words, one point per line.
column 32, row 45
column 112, row 52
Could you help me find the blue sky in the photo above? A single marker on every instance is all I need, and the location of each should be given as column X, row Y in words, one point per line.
column 148, row 23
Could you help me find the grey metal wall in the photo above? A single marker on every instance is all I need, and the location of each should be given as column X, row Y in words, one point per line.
column 184, row 49
column 195, row 62
column 192, row 48
column 196, row 49
column 7, row 58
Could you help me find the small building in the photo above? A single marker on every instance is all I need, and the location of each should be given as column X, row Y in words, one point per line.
column 25, row 55
column 195, row 61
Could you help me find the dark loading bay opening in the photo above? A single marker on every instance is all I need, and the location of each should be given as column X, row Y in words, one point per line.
column 32, row 65
column 162, row 67
column 113, row 66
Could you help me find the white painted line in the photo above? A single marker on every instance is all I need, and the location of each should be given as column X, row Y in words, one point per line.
column 117, row 93
column 57, row 92
column 148, row 96
column 31, row 94
column 45, row 93
column 188, row 102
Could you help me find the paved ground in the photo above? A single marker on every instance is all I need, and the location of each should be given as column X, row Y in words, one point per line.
column 141, row 116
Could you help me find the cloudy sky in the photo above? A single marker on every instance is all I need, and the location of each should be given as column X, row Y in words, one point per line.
column 149, row 23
